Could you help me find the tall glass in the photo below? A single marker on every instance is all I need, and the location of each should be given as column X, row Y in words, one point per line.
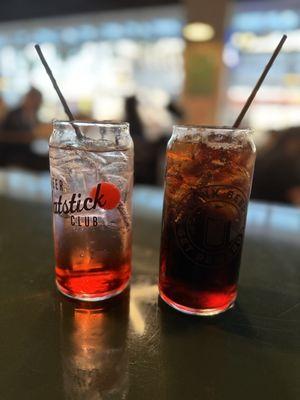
column 208, row 182
column 92, row 179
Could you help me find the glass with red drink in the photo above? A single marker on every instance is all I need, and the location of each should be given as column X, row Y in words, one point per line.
column 92, row 176
column 208, row 182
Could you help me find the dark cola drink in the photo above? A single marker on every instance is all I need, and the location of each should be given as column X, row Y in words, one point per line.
column 208, row 182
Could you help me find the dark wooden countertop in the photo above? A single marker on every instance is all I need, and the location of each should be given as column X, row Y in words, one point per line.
column 134, row 346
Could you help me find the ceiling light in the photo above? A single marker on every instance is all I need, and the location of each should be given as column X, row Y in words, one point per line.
column 198, row 32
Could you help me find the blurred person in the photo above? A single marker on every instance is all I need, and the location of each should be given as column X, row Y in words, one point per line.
column 18, row 133
column 277, row 170
column 24, row 118
column 270, row 141
column 161, row 159
column 3, row 110
column 144, row 150
column 132, row 116
column 176, row 116
column 176, row 111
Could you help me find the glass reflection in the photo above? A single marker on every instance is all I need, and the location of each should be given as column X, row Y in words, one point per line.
column 93, row 348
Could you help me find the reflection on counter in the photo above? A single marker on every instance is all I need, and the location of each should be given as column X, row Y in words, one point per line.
column 94, row 348
column 142, row 294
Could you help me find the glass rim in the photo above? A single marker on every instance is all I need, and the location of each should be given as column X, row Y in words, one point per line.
column 212, row 127
column 82, row 123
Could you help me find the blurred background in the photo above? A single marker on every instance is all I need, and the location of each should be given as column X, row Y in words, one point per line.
column 153, row 63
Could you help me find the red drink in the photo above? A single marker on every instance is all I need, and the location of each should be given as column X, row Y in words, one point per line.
column 208, row 182
column 82, row 269
column 91, row 191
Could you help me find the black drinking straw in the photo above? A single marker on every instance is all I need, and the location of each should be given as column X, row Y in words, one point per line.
column 259, row 82
column 121, row 206
column 58, row 91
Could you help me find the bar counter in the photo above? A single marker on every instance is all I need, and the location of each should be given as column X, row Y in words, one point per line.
column 134, row 346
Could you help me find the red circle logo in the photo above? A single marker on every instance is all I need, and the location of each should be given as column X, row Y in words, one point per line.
column 109, row 194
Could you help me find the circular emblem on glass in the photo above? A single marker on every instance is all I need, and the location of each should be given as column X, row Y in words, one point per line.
column 210, row 232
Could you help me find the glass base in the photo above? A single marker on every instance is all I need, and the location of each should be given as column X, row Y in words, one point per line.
column 87, row 297
column 206, row 312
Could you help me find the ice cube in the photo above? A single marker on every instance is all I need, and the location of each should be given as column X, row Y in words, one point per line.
column 114, row 168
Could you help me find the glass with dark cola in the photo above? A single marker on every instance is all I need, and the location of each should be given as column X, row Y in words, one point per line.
column 208, row 182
